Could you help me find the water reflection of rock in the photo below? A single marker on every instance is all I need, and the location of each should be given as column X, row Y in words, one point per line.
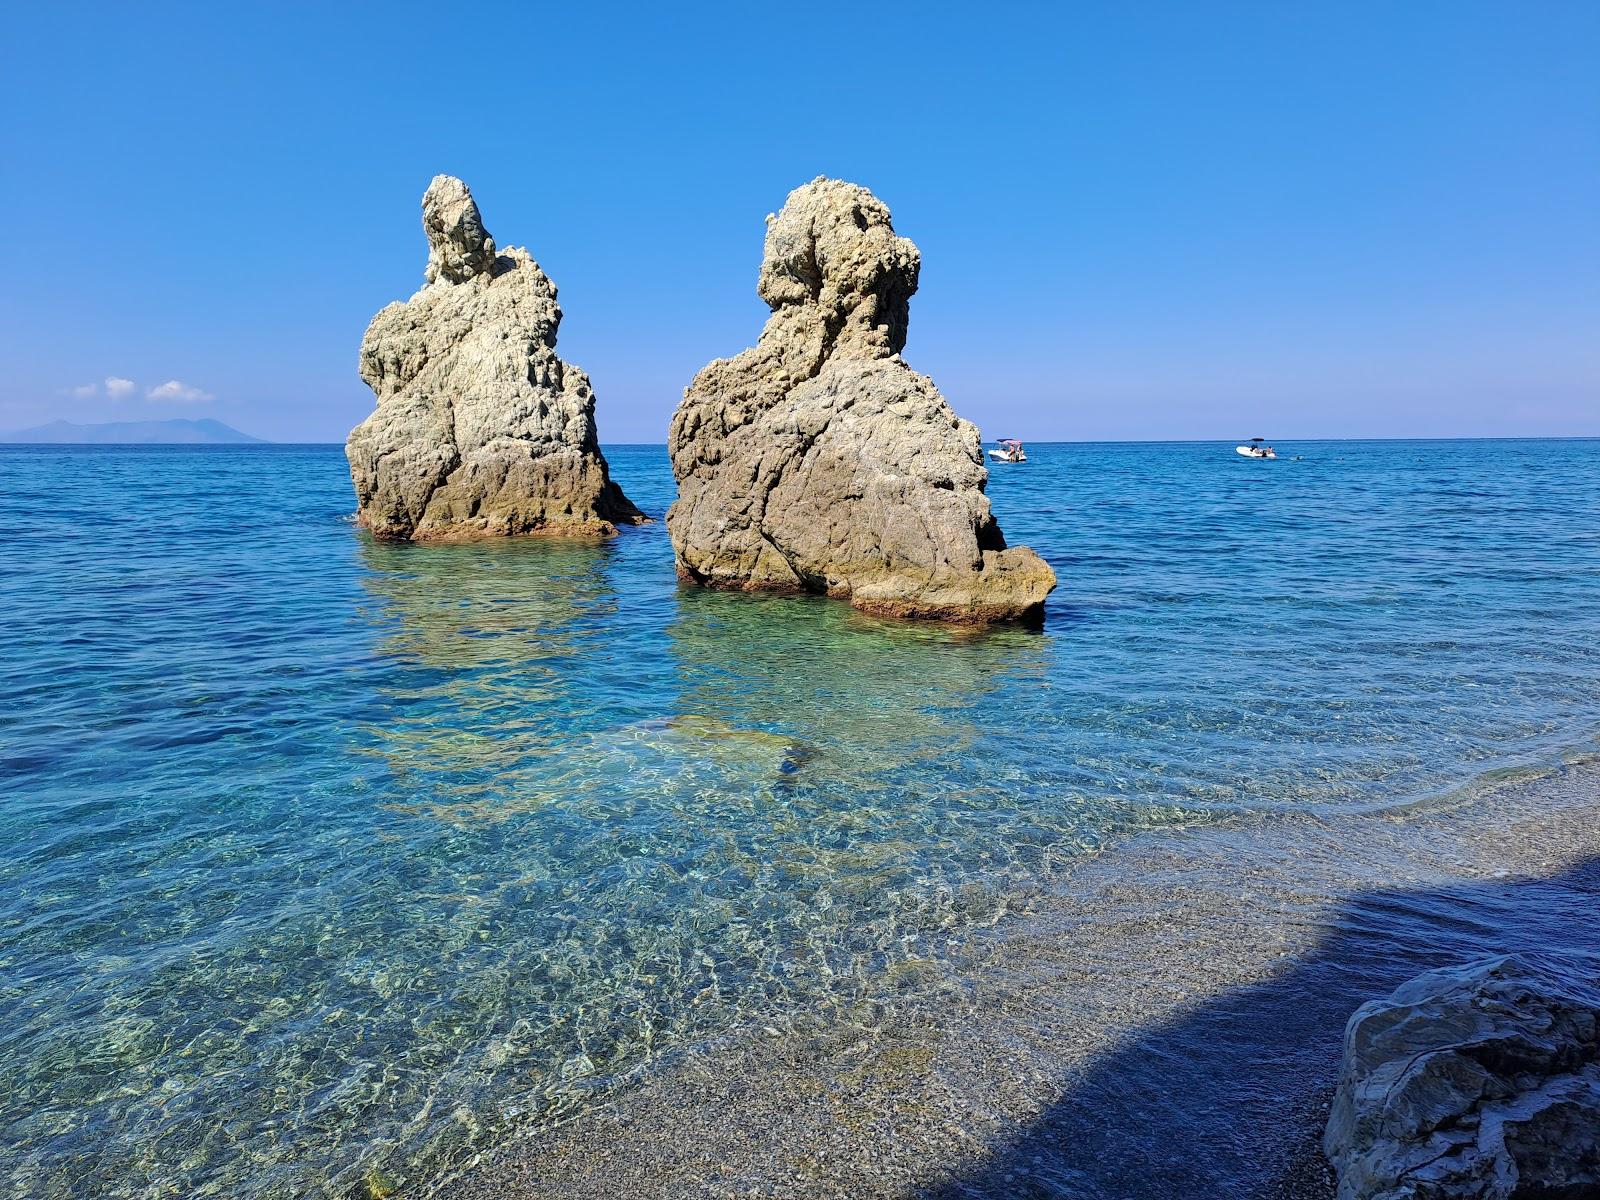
column 627, row 834
column 875, row 813
column 485, row 645
column 859, row 696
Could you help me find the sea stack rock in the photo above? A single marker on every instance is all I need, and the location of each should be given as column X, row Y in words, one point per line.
column 1478, row 1082
column 819, row 461
column 480, row 429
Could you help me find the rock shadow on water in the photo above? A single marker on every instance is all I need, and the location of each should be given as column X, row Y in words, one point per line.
column 1231, row 1097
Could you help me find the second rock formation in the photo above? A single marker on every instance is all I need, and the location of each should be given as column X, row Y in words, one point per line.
column 819, row 461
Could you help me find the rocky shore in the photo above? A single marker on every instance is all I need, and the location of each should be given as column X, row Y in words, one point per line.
column 1477, row 1081
column 1165, row 1023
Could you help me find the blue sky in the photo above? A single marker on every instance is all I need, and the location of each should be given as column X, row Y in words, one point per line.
column 1141, row 220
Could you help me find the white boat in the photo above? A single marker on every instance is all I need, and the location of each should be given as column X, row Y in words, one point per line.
column 1010, row 451
column 1256, row 449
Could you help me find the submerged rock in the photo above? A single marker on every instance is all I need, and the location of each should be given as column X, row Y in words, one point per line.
column 819, row 461
column 480, row 429
column 1477, row 1081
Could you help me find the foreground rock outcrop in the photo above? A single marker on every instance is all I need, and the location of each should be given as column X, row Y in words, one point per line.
column 480, row 429
column 1479, row 1081
column 819, row 461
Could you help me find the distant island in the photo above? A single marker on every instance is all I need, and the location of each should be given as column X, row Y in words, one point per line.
column 178, row 431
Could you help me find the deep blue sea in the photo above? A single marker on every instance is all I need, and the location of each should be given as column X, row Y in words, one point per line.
column 327, row 861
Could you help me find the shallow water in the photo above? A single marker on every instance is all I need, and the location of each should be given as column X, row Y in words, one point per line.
column 332, row 860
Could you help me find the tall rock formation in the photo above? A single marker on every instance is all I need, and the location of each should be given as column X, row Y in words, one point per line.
column 819, row 461
column 480, row 429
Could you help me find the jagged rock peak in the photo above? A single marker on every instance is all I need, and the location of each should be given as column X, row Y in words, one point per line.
column 819, row 461
column 459, row 247
column 834, row 248
column 480, row 429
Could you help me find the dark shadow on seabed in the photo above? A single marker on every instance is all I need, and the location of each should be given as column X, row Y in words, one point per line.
column 1215, row 1103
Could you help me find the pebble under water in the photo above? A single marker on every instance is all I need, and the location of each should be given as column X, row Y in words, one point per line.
column 331, row 862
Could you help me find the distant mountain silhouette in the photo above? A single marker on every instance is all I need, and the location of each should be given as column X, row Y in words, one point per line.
column 133, row 433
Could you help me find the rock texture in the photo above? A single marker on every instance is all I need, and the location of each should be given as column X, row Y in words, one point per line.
column 480, row 429
column 819, row 461
column 1477, row 1081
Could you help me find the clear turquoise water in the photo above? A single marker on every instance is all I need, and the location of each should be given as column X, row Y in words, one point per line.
column 328, row 861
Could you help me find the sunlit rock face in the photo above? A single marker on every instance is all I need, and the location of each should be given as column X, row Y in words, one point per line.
column 819, row 461
column 1477, row 1082
column 480, row 429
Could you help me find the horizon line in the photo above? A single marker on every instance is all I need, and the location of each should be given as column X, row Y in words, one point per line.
column 258, row 442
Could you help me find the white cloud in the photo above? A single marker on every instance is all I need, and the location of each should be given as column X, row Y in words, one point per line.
column 177, row 392
column 84, row 391
column 117, row 388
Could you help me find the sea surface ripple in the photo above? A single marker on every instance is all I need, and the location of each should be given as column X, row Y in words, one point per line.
column 328, row 862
